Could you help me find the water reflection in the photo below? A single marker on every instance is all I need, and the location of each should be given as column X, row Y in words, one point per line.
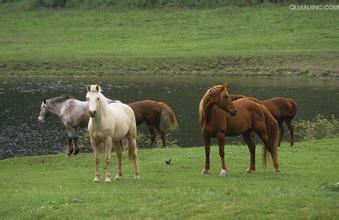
column 20, row 133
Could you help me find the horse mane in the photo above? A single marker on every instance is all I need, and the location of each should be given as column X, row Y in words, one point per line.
column 254, row 99
column 204, row 108
column 60, row 99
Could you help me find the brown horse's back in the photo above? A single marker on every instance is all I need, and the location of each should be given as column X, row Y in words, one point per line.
column 250, row 116
column 281, row 108
column 145, row 110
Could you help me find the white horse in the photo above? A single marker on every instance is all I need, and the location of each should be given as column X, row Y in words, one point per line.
column 108, row 124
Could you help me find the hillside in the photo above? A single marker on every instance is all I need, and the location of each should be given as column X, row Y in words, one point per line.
column 264, row 40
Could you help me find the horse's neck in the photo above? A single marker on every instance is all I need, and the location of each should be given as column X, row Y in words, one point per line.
column 55, row 108
column 102, row 111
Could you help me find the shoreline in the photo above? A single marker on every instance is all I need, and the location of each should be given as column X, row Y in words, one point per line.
column 293, row 66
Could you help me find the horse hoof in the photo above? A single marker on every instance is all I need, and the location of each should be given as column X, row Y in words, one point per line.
column 223, row 172
column 277, row 172
column 204, row 172
column 107, row 180
column 249, row 171
column 96, row 179
column 136, row 177
column 117, row 177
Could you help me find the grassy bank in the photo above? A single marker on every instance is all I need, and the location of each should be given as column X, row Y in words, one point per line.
column 261, row 40
column 61, row 187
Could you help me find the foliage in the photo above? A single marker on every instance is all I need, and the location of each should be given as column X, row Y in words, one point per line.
column 61, row 187
column 318, row 128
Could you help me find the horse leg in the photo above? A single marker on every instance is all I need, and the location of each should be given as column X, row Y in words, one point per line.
column 118, row 150
column 221, row 143
column 281, row 129
column 133, row 156
column 70, row 147
column 108, row 148
column 96, row 158
column 162, row 134
column 153, row 135
column 291, row 129
column 249, row 140
column 76, row 147
column 76, row 151
column 71, row 135
column 272, row 150
column 207, row 141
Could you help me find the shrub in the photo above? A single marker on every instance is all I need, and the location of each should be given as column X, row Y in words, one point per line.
column 318, row 128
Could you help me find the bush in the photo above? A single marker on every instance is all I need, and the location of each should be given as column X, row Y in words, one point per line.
column 318, row 128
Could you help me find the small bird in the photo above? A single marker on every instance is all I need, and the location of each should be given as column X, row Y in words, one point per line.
column 168, row 162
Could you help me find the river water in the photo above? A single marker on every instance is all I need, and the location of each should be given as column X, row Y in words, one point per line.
column 21, row 134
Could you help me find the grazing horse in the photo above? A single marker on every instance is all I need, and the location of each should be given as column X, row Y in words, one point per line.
column 220, row 117
column 108, row 124
column 282, row 109
column 72, row 113
column 152, row 112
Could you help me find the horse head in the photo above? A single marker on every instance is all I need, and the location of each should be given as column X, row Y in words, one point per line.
column 219, row 96
column 44, row 112
column 93, row 98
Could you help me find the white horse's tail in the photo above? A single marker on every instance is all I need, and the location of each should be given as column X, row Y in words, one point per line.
column 133, row 152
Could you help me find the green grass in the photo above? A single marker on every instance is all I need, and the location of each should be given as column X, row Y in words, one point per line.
column 226, row 39
column 60, row 187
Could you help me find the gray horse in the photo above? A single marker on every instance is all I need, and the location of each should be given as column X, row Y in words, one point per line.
column 72, row 113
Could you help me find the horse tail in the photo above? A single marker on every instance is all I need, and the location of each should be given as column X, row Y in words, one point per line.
column 272, row 129
column 168, row 114
column 294, row 107
column 133, row 150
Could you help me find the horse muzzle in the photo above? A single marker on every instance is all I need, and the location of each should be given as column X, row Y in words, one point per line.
column 41, row 120
column 92, row 113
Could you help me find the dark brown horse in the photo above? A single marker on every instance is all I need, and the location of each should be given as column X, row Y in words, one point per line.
column 282, row 109
column 151, row 112
column 220, row 117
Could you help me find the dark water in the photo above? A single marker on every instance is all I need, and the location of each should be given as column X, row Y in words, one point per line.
column 21, row 134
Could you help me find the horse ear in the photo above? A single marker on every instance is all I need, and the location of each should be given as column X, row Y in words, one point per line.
column 224, row 85
column 45, row 101
column 97, row 88
column 88, row 88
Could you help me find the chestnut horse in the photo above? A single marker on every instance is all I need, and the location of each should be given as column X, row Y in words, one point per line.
column 220, row 117
column 151, row 112
column 282, row 109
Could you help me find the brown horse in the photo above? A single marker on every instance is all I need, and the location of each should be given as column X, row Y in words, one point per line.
column 282, row 109
column 220, row 117
column 151, row 112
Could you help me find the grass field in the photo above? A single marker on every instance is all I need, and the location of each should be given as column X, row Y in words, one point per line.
column 268, row 40
column 60, row 187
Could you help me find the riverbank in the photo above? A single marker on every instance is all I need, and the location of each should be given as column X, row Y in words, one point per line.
column 239, row 41
column 59, row 187
column 261, row 66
